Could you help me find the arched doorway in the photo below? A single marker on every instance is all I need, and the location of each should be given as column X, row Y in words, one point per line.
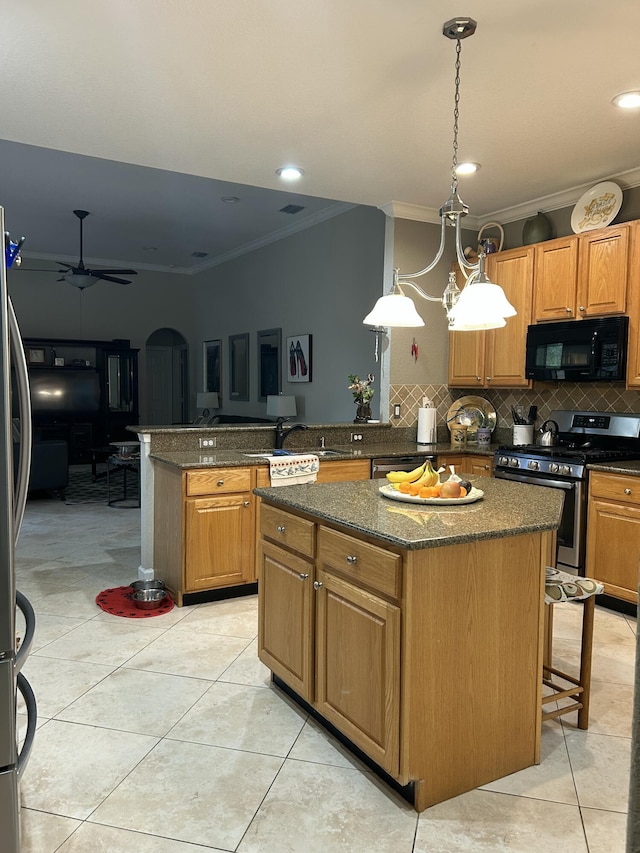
column 167, row 377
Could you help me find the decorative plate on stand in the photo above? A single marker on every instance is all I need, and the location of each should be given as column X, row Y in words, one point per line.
column 597, row 208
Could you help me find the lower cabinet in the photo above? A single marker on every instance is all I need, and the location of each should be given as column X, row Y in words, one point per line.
column 339, row 645
column 204, row 528
column 467, row 463
column 418, row 657
column 613, row 533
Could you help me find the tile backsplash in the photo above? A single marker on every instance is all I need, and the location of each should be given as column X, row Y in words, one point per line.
column 599, row 396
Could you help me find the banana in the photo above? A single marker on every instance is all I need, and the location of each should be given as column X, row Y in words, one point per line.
column 406, row 476
column 429, row 477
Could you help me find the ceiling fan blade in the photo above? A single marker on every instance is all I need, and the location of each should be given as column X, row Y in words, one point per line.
column 108, row 272
column 111, row 278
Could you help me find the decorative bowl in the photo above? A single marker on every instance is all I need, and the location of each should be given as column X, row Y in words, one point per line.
column 138, row 586
column 149, row 599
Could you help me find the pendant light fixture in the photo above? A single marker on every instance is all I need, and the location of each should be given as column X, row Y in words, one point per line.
column 481, row 304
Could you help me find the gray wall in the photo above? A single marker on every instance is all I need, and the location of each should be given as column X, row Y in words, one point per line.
column 320, row 282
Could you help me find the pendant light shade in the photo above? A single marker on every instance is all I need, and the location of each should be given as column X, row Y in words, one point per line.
column 394, row 310
column 481, row 304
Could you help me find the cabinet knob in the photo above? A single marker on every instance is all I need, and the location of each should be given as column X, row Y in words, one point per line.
column 221, row 482
column 488, row 379
column 568, row 310
column 478, row 379
column 487, row 467
column 627, row 491
column 247, row 503
column 352, row 560
column 317, row 584
column 303, row 576
column 581, row 308
column 280, row 528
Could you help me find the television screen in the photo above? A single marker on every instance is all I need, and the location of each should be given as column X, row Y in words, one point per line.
column 64, row 392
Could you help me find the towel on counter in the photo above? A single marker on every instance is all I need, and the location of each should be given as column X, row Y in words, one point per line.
column 293, row 470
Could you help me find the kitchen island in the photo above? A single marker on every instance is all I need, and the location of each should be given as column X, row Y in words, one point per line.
column 415, row 631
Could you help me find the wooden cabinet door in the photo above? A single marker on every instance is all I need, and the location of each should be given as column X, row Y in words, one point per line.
column 556, row 279
column 506, row 347
column 613, row 547
column 285, row 618
column 358, row 667
column 219, row 541
column 633, row 307
column 446, row 459
column 602, row 271
column 466, row 359
column 481, row 466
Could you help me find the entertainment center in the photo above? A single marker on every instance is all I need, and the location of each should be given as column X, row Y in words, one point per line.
column 82, row 392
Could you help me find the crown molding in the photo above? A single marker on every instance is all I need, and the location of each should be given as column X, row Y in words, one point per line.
column 627, row 180
column 308, row 222
column 402, row 210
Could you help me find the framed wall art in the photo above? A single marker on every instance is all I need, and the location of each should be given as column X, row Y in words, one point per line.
column 239, row 367
column 298, row 355
column 269, row 362
column 212, row 367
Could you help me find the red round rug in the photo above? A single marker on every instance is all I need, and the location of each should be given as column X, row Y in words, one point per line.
column 117, row 601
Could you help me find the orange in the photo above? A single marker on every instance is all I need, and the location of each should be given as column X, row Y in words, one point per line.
column 404, row 488
column 463, row 492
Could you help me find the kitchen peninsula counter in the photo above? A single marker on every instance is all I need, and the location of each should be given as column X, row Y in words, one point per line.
column 416, row 631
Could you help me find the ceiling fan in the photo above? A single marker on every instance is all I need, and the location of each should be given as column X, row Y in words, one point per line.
column 81, row 277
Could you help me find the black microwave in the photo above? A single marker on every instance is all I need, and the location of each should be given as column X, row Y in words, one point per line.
column 590, row 350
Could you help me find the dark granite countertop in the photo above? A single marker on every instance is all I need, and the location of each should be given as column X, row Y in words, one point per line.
column 507, row 509
column 631, row 469
column 220, row 458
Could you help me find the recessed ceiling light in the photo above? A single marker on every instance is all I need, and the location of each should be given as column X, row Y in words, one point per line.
column 150, row 248
column 290, row 173
column 467, row 168
column 230, row 199
column 627, row 100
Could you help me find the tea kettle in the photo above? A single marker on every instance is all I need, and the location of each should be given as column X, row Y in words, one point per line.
column 549, row 434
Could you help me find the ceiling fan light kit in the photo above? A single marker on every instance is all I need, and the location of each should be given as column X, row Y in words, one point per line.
column 482, row 304
column 82, row 277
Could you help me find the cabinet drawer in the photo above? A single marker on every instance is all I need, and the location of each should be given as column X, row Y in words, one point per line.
column 218, row 480
column 371, row 566
column 615, row 487
column 286, row 529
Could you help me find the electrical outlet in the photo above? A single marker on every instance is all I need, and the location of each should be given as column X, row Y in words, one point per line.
column 356, row 436
column 207, row 442
column 396, row 410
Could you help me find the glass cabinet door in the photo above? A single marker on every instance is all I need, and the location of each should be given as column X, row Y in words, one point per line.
column 120, row 382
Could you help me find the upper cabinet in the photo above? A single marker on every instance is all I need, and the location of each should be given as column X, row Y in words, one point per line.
column 633, row 307
column 583, row 275
column 496, row 358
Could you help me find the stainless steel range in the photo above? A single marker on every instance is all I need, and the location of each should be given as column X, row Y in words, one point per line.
column 583, row 438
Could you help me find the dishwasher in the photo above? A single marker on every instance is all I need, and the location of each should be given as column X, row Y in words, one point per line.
column 381, row 467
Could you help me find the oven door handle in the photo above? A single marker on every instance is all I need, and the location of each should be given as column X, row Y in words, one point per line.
column 537, row 481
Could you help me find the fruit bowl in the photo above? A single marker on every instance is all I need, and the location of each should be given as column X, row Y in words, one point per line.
column 389, row 492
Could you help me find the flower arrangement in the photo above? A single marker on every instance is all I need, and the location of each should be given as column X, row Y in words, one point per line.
column 361, row 388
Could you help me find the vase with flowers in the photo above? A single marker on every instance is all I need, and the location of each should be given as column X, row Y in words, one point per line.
column 362, row 394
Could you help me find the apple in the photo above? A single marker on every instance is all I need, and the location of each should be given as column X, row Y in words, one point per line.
column 450, row 489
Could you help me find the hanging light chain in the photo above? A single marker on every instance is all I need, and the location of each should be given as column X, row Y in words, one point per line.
column 456, row 116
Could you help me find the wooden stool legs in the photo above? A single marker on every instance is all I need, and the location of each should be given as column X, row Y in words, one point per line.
column 579, row 691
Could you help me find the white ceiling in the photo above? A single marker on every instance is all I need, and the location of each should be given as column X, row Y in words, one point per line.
column 171, row 103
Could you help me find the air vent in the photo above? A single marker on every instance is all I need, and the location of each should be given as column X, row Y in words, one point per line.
column 199, row 254
column 291, row 208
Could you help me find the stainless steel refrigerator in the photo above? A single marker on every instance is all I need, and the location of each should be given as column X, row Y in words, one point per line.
column 14, row 478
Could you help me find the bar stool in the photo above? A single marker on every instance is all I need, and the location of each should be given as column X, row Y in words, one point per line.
column 563, row 586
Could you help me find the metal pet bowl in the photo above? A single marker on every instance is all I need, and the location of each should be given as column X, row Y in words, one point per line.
column 149, row 599
column 139, row 586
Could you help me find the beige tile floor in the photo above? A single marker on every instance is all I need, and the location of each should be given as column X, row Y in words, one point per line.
column 163, row 735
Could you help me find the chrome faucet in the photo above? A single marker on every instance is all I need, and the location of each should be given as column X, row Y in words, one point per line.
column 281, row 433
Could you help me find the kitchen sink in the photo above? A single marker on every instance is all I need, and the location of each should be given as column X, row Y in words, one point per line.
column 327, row 452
